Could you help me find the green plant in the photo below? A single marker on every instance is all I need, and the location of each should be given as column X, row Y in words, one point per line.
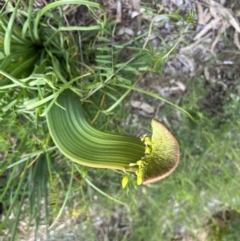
column 39, row 61
column 76, row 139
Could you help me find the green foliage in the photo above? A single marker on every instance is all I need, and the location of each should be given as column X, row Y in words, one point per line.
column 210, row 155
column 41, row 56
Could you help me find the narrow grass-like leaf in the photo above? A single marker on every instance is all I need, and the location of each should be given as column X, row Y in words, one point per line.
column 31, row 155
column 14, row 80
column 62, row 2
column 104, row 194
column 8, row 34
column 65, row 199
column 15, row 195
column 155, row 96
column 17, row 220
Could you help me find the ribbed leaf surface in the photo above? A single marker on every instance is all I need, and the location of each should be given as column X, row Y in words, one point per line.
column 78, row 140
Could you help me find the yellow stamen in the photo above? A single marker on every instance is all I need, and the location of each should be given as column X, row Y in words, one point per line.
column 147, row 141
column 148, row 150
column 124, row 181
column 139, row 180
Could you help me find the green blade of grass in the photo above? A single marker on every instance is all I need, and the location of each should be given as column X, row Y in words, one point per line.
column 62, row 2
column 14, row 80
column 155, row 96
column 8, row 33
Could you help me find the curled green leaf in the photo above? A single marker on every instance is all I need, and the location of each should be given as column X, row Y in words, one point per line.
column 151, row 159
